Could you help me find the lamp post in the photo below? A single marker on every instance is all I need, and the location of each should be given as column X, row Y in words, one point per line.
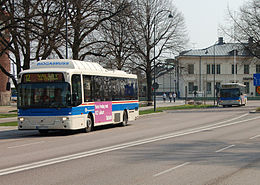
column 206, row 81
column 200, row 74
column 154, row 65
column 214, row 63
column 66, row 12
column 214, row 78
column 154, row 89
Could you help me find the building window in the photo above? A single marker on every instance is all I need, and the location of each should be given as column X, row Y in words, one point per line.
column 247, row 87
column 208, row 87
column 213, row 69
column 257, row 68
column 191, row 87
column 246, row 69
column 233, row 69
column 208, row 68
column 191, row 68
column 218, row 68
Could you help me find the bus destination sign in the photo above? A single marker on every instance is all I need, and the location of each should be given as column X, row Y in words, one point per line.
column 42, row 77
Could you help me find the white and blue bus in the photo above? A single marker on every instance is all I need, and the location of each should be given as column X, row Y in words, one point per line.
column 70, row 94
column 232, row 94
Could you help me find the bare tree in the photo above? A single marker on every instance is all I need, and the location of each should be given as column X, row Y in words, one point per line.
column 36, row 29
column 246, row 27
column 159, row 28
column 116, row 35
column 33, row 27
column 85, row 17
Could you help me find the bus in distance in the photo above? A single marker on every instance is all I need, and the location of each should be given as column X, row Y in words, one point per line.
column 232, row 94
column 70, row 94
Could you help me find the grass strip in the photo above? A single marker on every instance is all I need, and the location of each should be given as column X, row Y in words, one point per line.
column 8, row 115
column 178, row 107
column 149, row 111
column 14, row 123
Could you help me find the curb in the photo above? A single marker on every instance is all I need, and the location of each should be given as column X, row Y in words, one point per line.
column 151, row 114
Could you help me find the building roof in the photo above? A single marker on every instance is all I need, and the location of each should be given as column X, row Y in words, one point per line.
column 223, row 49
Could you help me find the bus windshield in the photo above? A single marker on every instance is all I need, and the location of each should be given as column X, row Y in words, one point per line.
column 44, row 95
column 226, row 93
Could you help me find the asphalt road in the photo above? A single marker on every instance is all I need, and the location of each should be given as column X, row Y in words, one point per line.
column 211, row 146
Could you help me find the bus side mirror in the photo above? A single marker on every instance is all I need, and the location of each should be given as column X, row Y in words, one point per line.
column 8, row 86
column 68, row 100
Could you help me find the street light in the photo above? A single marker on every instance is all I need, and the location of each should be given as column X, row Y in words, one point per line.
column 214, row 74
column 154, row 66
column 66, row 30
column 214, row 79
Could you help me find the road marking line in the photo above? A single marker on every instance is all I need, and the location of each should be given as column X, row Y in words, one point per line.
column 220, row 150
column 26, row 144
column 171, row 169
column 116, row 147
column 254, row 137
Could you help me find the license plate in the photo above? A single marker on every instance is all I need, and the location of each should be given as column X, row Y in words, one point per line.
column 41, row 127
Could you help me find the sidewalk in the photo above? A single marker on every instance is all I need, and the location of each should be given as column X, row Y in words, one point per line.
column 7, row 109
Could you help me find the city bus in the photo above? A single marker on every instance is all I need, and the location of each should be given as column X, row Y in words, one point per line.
column 232, row 94
column 62, row 94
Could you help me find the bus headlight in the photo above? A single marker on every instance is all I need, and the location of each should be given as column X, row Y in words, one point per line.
column 65, row 118
column 21, row 119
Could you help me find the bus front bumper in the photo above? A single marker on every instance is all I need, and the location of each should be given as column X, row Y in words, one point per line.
column 229, row 102
column 43, row 123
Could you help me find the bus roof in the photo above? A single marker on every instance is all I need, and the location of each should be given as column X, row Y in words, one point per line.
column 232, row 85
column 77, row 66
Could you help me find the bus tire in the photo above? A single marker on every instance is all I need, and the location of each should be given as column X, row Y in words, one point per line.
column 89, row 124
column 125, row 119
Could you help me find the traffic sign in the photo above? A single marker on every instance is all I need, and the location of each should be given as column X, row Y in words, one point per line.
column 155, row 85
column 256, row 78
column 258, row 89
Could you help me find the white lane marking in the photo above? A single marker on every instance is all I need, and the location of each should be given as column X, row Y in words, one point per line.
column 171, row 169
column 113, row 148
column 28, row 144
column 225, row 148
column 254, row 137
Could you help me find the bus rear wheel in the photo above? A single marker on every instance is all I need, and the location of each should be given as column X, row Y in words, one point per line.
column 125, row 119
column 89, row 124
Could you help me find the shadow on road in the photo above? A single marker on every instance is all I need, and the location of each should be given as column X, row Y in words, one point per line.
column 14, row 133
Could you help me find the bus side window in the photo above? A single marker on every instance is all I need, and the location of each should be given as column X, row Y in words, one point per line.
column 76, row 90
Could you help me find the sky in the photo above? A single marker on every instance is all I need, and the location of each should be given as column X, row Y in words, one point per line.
column 203, row 18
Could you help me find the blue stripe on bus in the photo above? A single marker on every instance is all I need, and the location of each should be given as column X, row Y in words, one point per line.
column 230, row 98
column 72, row 111
column 128, row 106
